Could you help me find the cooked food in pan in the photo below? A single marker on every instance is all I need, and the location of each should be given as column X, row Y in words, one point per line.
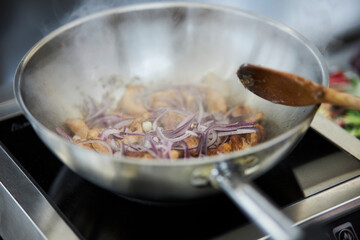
column 171, row 122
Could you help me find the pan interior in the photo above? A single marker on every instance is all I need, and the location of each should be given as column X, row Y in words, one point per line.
column 101, row 54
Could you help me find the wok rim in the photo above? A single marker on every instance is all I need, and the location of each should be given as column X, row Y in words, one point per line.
column 302, row 126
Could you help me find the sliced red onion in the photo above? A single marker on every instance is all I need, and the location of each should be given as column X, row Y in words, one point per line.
column 200, row 107
column 181, row 128
column 105, row 120
column 229, row 127
column 178, row 147
column 96, row 112
column 213, row 139
column 123, row 123
column 129, row 133
column 185, row 149
column 97, row 141
column 191, row 133
column 164, row 150
column 208, row 123
column 168, row 150
column 202, row 142
column 182, row 101
column 237, row 132
column 229, row 112
column 211, row 130
column 89, row 106
column 114, row 146
column 159, row 117
column 104, row 135
column 201, row 128
column 150, row 139
column 172, row 140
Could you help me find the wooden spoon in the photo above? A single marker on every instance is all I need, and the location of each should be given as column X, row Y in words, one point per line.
column 290, row 89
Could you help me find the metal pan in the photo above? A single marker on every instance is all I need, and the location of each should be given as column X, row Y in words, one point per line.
column 176, row 42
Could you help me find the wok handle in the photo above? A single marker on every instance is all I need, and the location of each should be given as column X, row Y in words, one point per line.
column 271, row 220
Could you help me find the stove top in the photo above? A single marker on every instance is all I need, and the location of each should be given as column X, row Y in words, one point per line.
column 318, row 184
column 42, row 194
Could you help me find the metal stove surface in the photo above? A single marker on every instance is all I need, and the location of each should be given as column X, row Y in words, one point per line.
column 316, row 183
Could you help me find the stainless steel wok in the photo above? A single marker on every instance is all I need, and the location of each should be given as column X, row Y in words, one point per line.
column 156, row 43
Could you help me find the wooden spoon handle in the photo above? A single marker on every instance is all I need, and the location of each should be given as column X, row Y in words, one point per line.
column 341, row 99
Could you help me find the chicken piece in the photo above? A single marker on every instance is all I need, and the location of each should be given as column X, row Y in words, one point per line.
column 174, row 154
column 148, row 156
column 136, row 125
column 79, row 142
column 190, row 101
column 247, row 114
column 213, row 100
column 212, row 152
column 166, row 98
column 171, row 119
column 134, row 154
column 256, row 137
column 225, row 148
column 100, row 148
column 78, row 127
column 94, row 133
column 129, row 102
column 130, row 139
column 243, row 141
column 87, row 145
column 260, row 135
column 239, row 142
column 192, row 141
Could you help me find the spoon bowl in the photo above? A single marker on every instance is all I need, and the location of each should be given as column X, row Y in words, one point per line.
column 290, row 89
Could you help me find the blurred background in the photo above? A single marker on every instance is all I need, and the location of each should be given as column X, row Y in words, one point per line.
column 329, row 24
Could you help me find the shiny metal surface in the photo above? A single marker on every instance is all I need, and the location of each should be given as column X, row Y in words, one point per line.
column 256, row 206
column 318, row 209
column 9, row 108
column 50, row 86
column 56, row 73
column 24, row 23
column 24, row 211
column 8, row 105
column 336, row 134
column 325, row 172
column 323, row 206
column 339, row 199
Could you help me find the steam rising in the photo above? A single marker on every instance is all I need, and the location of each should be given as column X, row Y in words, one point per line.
column 323, row 22
column 100, row 54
